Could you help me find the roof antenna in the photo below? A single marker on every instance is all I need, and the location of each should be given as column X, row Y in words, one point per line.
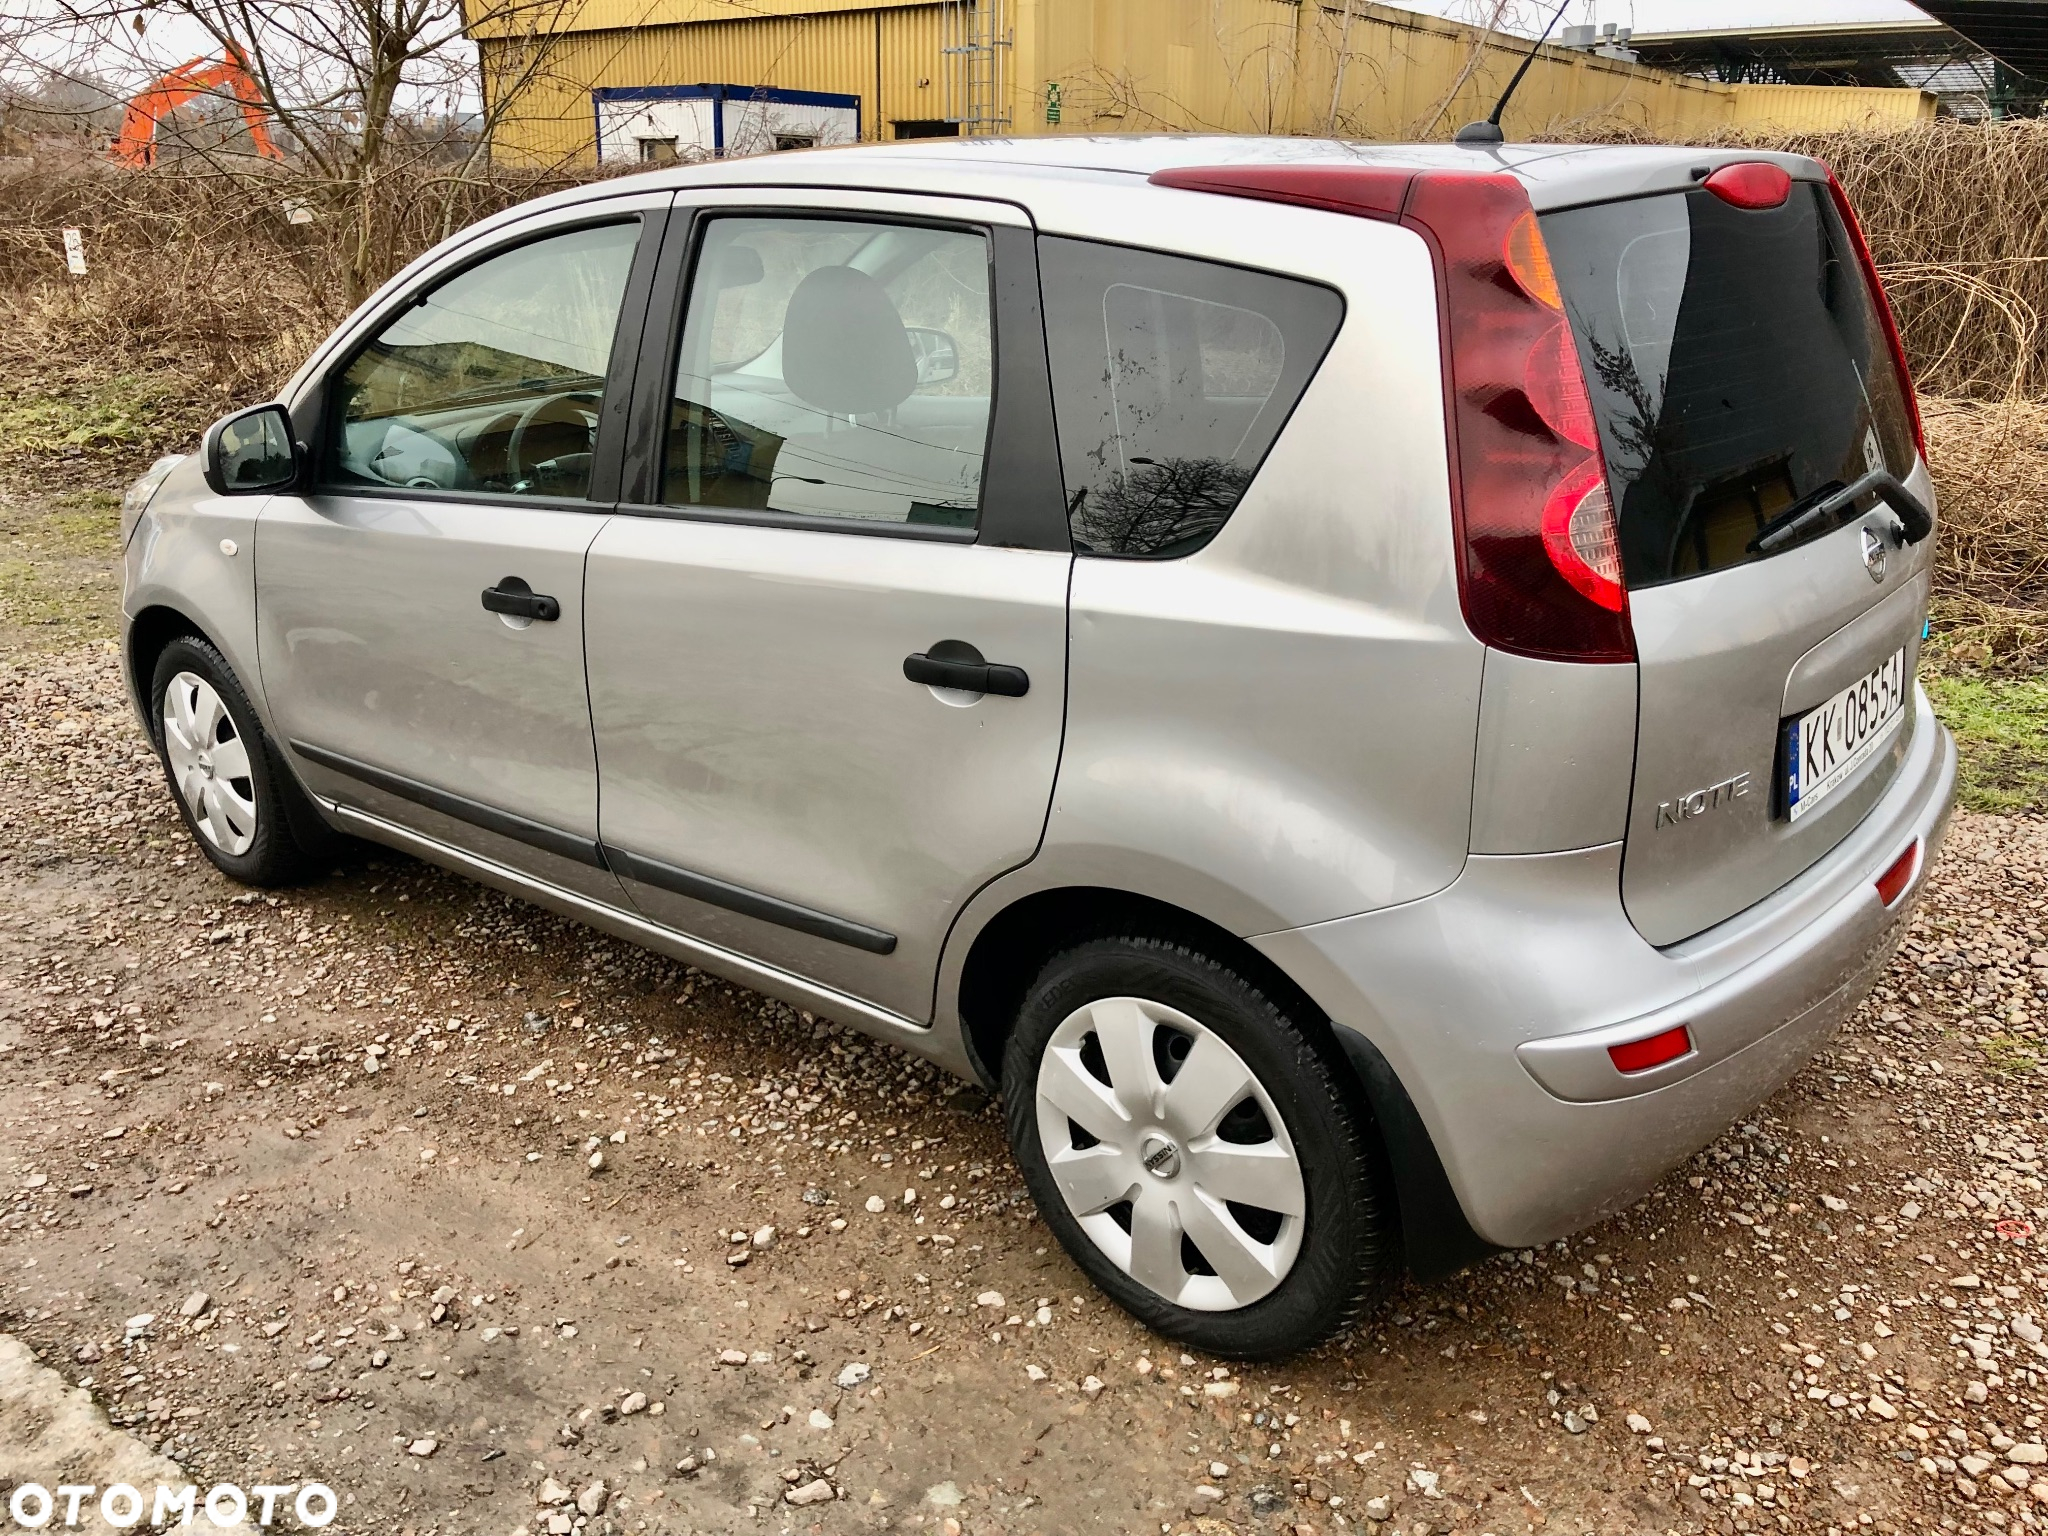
column 1489, row 132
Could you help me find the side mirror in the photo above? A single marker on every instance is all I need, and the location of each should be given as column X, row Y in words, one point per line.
column 250, row 452
column 735, row 266
column 937, row 354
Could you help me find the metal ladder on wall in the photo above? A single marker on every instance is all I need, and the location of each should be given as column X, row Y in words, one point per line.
column 975, row 42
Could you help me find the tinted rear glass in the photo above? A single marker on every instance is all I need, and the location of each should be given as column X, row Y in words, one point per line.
column 1737, row 367
column 1171, row 378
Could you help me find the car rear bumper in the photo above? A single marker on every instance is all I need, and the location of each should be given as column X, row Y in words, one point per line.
column 1495, row 1002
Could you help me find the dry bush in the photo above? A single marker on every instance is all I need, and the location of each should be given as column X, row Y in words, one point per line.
column 1957, row 216
column 201, row 295
column 1990, row 464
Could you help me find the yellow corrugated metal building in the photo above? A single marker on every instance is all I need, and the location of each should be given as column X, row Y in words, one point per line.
column 647, row 79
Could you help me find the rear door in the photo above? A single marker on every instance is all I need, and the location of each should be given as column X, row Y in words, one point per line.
column 851, row 518
column 1740, row 370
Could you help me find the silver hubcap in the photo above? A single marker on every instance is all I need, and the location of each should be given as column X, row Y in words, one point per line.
column 1170, row 1154
column 209, row 763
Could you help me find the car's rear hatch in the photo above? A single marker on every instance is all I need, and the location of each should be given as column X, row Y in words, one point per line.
column 1740, row 365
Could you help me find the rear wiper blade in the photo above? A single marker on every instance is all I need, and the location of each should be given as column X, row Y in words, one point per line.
column 1791, row 524
column 1837, row 502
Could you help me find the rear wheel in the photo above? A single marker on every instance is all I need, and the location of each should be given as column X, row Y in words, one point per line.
column 1193, row 1150
column 238, row 800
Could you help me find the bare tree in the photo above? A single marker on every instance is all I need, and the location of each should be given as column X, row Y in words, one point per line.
column 375, row 103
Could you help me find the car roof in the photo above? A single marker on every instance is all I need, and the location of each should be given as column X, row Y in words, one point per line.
column 1556, row 175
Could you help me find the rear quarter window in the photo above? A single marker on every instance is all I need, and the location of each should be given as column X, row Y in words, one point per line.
column 1737, row 366
column 1171, row 379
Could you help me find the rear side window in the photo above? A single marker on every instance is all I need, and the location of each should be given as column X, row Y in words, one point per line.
column 1737, row 365
column 1171, row 378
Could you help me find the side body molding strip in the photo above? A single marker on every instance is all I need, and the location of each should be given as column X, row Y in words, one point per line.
column 737, row 898
column 917, row 1036
column 533, row 833
column 717, row 893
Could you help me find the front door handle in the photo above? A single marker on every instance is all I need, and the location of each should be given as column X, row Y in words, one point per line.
column 516, row 600
column 956, row 664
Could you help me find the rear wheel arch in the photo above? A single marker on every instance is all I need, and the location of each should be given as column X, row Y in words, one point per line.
column 1010, row 950
column 1013, row 946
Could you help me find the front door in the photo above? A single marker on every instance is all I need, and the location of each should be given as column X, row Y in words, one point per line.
column 828, row 652
column 420, row 611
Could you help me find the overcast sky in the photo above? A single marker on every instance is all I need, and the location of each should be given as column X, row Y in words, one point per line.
column 169, row 40
column 1677, row 15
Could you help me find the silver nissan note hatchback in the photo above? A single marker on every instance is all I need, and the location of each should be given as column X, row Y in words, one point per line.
column 1369, row 691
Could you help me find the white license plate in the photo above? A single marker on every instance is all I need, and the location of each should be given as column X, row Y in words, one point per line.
column 1825, row 746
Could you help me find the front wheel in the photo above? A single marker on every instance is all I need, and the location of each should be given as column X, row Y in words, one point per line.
column 238, row 800
column 1194, row 1150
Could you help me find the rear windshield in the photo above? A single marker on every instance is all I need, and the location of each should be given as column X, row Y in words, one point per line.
column 1737, row 367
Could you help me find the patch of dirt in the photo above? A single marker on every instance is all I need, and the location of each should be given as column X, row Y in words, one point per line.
column 361, row 1118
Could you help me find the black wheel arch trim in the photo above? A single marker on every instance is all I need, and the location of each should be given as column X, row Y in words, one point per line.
column 1436, row 1238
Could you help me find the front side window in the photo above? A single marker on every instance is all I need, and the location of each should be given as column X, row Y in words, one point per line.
column 1171, row 378
column 834, row 369
column 492, row 381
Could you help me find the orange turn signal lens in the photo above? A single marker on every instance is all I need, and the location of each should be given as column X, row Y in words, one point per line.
column 1528, row 258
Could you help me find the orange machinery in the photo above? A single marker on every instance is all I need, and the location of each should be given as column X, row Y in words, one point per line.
column 136, row 142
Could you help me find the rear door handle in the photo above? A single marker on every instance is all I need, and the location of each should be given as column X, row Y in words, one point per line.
column 955, row 664
column 516, row 600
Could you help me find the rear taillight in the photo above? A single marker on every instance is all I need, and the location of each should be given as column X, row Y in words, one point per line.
column 1884, row 309
column 1539, row 553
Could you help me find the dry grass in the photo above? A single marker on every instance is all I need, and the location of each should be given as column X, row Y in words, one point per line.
column 204, row 295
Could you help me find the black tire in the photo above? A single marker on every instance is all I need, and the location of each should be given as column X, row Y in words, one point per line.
column 291, row 843
column 1349, row 1254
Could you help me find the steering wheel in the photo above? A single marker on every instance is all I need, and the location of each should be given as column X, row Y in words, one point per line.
column 551, row 411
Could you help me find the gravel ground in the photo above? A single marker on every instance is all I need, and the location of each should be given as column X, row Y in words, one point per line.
column 497, row 1225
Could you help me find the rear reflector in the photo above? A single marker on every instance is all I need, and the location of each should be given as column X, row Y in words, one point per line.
column 1641, row 1055
column 1751, row 184
column 1891, row 885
